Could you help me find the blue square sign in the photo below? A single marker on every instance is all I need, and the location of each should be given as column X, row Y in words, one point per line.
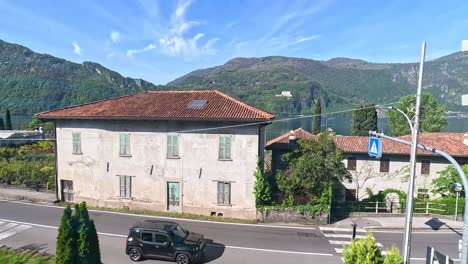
column 375, row 147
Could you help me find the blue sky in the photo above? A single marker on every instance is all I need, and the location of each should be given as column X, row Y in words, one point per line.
column 162, row 40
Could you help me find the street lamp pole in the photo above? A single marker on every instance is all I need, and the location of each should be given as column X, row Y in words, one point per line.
column 410, row 194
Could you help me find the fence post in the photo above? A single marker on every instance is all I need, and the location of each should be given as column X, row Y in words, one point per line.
column 376, row 207
column 427, row 207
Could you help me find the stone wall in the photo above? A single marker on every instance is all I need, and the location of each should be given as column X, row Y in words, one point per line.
column 291, row 216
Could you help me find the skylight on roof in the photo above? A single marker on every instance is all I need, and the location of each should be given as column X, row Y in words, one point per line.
column 197, row 104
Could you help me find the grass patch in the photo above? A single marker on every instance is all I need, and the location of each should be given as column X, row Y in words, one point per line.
column 14, row 257
column 171, row 214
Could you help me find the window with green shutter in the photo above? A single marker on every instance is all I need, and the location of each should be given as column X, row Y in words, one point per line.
column 172, row 146
column 76, row 143
column 224, row 147
column 224, row 193
column 124, row 145
column 125, row 186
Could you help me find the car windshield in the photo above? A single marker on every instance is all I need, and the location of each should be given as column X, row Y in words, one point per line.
column 179, row 234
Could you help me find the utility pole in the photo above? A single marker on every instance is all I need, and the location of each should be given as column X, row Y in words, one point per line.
column 410, row 194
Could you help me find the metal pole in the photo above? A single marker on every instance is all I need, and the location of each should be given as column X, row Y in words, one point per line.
column 456, row 207
column 464, row 254
column 410, row 200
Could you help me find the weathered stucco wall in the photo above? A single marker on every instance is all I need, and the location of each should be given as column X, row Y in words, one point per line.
column 396, row 178
column 95, row 172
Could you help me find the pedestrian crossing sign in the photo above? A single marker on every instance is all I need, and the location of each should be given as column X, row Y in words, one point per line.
column 375, row 147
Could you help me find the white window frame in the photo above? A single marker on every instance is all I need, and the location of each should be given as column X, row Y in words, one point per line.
column 225, row 147
column 172, row 146
column 76, row 143
column 125, row 186
column 223, row 195
column 124, row 151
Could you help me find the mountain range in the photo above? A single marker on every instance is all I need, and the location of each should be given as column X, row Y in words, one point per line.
column 31, row 82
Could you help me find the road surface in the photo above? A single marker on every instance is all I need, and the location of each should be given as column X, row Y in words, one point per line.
column 35, row 227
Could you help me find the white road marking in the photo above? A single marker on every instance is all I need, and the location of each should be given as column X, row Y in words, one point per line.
column 171, row 218
column 340, row 251
column 350, row 236
column 7, row 226
column 342, row 242
column 13, row 231
column 226, row 246
column 339, row 229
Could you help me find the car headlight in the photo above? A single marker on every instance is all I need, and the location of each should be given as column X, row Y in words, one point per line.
column 130, row 239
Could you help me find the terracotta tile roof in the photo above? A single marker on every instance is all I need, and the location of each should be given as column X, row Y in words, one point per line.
column 452, row 143
column 163, row 105
column 284, row 139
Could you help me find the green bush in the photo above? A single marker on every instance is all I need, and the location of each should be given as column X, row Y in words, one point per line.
column 365, row 251
column 393, row 256
column 13, row 257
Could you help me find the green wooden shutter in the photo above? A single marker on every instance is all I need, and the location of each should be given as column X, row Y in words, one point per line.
column 175, row 142
column 76, row 143
column 128, row 187
column 227, row 193
column 220, row 192
column 221, row 148
column 122, row 144
column 122, row 186
column 227, row 147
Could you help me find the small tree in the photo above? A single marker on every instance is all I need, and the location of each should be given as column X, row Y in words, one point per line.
column 363, row 251
column 262, row 188
column 8, row 120
column 94, row 252
column 317, row 119
column 433, row 115
column 364, row 120
column 442, row 184
column 393, row 256
column 66, row 242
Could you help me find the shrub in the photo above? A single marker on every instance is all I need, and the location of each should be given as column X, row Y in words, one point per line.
column 363, row 251
column 393, row 256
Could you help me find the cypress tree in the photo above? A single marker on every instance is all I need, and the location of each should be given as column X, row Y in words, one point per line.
column 2, row 125
column 66, row 247
column 317, row 120
column 83, row 242
column 364, row 120
column 94, row 252
column 8, row 120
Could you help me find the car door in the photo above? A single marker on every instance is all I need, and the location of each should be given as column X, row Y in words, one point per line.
column 149, row 246
column 164, row 244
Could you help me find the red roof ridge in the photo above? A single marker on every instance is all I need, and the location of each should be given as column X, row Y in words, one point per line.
column 249, row 107
column 278, row 139
column 90, row 103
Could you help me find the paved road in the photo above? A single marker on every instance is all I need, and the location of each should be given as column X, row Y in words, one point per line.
column 35, row 227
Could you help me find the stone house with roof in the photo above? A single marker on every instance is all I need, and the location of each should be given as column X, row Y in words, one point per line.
column 390, row 171
column 182, row 151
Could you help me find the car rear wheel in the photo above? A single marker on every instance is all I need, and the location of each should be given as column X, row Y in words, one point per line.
column 135, row 254
column 183, row 259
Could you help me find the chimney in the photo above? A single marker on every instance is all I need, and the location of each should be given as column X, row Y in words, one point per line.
column 292, row 137
column 465, row 139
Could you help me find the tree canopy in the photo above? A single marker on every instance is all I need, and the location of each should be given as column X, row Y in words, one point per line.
column 312, row 167
column 364, row 119
column 442, row 184
column 433, row 116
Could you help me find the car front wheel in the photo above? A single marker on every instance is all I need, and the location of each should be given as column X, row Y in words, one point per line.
column 182, row 259
column 135, row 254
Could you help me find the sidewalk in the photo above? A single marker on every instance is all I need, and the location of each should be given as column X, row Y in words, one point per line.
column 26, row 195
column 420, row 223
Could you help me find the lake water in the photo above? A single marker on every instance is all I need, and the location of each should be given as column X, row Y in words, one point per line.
column 342, row 125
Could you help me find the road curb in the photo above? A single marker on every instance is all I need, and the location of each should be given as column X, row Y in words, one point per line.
column 26, row 199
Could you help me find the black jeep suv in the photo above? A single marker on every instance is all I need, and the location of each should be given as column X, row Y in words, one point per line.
column 164, row 240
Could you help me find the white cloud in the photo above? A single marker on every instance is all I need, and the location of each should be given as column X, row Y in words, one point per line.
column 77, row 49
column 130, row 53
column 177, row 42
column 115, row 36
